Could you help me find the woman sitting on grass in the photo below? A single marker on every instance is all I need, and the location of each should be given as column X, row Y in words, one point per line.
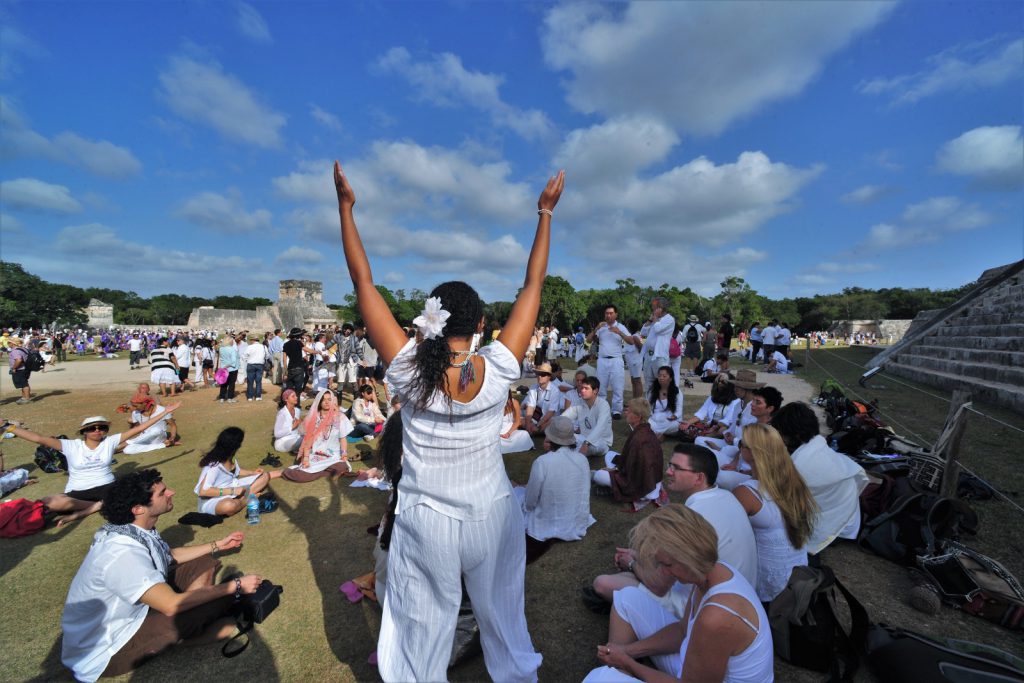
column 223, row 486
column 634, row 475
column 366, row 414
column 89, row 460
column 780, row 506
column 287, row 425
column 324, row 449
column 514, row 439
column 666, row 403
column 717, row 413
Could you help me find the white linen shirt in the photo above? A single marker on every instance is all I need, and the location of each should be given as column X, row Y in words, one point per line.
column 736, row 544
column 103, row 611
column 88, row 469
column 255, row 354
column 706, row 413
column 593, row 423
column 452, row 451
column 609, row 342
column 558, row 496
column 658, row 334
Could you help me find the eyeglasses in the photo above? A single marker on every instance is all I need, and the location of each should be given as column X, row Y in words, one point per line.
column 96, row 428
column 676, row 468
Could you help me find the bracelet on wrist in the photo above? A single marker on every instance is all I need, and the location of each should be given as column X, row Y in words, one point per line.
column 545, row 211
column 238, row 589
column 213, row 544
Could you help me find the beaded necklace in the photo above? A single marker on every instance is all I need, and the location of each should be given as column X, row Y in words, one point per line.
column 467, row 372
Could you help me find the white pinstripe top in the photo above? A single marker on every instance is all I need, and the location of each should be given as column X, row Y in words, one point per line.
column 452, row 460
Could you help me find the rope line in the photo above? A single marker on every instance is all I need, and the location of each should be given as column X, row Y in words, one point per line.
column 995, row 490
column 890, row 377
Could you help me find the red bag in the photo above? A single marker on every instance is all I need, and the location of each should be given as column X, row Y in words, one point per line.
column 22, row 517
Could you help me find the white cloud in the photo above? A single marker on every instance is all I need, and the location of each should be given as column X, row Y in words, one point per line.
column 850, row 267
column 204, row 93
column 29, row 194
column 615, row 150
column 993, row 155
column 324, row 118
column 866, row 194
column 946, row 213
column 9, row 223
column 97, row 156
column 961, row 68
column 683, row 62
column 299, row 255
column 225, row 213
column 13, row 46
column 928, row 221
column 252, row 24
column 444, row 81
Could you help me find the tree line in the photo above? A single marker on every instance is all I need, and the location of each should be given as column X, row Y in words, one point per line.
column 28, row 300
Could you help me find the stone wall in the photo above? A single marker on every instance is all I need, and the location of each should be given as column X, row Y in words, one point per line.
column 99, row 314
column 209, row 318
column 884, row 330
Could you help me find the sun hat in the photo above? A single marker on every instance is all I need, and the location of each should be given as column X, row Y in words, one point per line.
column 694, row 319
column 296, row 332
column 543, row 367
column 747, row 379
column 94, row 420
column 559, row 431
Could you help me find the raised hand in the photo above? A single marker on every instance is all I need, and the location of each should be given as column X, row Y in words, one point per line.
column 346, row 196
column 553, row 190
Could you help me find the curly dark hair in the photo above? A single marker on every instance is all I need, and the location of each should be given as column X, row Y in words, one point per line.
column 434, row 356
column 673, row 389
column 127, row 492
column 390, row 452
column 796, row 423
column 227, row 444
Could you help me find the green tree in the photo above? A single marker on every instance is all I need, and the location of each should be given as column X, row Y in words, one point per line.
column 29, row 301
column 559, row 304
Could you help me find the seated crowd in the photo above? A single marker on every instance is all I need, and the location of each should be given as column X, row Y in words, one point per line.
column 760, row 490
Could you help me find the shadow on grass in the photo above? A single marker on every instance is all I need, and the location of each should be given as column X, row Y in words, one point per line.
column 346, row 629
column 15, row 550
column 127, row 467
column 36, row 397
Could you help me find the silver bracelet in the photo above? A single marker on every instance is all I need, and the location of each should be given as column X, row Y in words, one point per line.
column 547, row 211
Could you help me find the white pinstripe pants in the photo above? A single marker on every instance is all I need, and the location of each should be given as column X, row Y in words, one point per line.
column 430, row 553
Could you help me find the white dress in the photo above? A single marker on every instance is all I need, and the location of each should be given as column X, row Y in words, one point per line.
column 776, row 556
column 518, row 441
column 215, row 476
column 664, row 418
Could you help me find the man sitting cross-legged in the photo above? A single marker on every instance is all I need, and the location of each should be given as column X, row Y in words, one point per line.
column 692, row 471
column 134, row 597
column 592, row 419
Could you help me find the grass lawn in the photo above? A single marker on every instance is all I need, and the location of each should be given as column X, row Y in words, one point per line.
column 317, row 540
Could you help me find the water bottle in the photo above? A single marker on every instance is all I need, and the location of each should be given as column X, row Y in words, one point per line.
column 252, row 509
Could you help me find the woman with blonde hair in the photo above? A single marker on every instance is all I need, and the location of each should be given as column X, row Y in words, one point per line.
column 634, row 475
column 780, row 506
column 723, row 634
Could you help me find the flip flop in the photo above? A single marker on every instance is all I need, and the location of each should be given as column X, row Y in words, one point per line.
column 351, row 591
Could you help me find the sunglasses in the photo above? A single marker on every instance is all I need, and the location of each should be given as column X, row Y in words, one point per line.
column 96, row 428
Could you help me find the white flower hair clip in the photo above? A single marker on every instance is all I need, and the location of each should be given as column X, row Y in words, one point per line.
column 431, row 320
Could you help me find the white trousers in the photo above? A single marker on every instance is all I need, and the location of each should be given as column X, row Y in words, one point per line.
column 151, row 439
column 288, row 444
column 611, row 376
column 430, row 553
column 647, row 616
column 651, row 365
column 518, row 441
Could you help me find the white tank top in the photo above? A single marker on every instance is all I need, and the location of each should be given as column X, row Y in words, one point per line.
column 756, row 663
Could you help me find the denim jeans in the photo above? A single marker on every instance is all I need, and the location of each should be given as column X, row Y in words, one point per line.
column 254, row 380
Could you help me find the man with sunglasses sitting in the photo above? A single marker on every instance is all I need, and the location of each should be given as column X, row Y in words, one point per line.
column 89, row 460
column 544, row 402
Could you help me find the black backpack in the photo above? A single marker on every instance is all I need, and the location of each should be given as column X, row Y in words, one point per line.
column 34, row 362
column 50, row 460
column 914, row 525
column 805, row 629
column 897, row 655
column 691, row 334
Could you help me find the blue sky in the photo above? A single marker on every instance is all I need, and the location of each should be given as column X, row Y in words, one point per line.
column 807, row 146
